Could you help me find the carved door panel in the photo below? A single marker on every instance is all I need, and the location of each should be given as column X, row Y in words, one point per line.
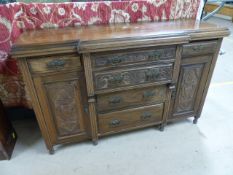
column 63, row 99
column 190, row 86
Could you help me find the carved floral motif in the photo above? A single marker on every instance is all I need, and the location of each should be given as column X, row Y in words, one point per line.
column 132, row 77
column 62, row 98
column 190, row 81
column 127, row 58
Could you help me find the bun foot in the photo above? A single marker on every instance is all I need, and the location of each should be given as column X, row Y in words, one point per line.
column 161, row 127
column 95, row 142
column 51, row 151
column 195, row 120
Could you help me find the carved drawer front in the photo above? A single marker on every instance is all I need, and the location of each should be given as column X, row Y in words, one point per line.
column 125, row 58
column 54, row 63
column 199, row 48
column 128, row 119
column 130, row 77
column 129, row 98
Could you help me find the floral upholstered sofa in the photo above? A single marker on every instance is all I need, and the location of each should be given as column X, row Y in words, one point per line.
column 17, row 17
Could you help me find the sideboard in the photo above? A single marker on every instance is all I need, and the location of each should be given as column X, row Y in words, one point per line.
column 92, row 81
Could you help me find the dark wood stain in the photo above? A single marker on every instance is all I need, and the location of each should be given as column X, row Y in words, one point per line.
column 89, row 82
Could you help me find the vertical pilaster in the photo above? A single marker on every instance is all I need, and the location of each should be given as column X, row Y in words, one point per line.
column 91, row 97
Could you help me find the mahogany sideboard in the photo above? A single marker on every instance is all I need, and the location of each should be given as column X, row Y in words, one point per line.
column 92, row 81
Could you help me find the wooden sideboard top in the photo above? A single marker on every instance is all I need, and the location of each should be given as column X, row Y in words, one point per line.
column 107, row 37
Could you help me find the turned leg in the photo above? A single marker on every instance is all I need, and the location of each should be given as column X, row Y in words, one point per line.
column 51, row 151
column 195, row 120
column 161, row 127
column 95, row 142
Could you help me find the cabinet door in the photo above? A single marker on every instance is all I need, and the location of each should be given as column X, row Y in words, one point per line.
column 190, row 86
column 63, row 99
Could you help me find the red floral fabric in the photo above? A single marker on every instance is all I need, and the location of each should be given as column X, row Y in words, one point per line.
column 17, row 17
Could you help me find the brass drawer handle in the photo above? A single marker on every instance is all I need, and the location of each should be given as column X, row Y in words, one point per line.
column 146, row 116
column 147, row 94
column 117, row 79
column 172, row 87
column 115, row 100
column 56, row 64
column 115, row 60
column 154, row 56
column 115, row 123
column 152, row 74
column 197, row 48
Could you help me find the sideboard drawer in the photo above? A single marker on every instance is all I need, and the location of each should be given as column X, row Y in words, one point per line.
column 131, row 77
column 199, row 48
column 132, row 57
column 129, row 98
column 54, row 63
column 121, row 120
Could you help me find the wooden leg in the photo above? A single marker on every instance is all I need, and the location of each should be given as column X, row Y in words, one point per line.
column 195, row 120
column 95, row 142
column 161, row 127
column 51, row 151
column 93, row 121
column 49, row 146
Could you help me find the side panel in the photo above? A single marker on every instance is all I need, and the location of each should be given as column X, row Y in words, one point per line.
column 190, row 87
column 193, row 82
